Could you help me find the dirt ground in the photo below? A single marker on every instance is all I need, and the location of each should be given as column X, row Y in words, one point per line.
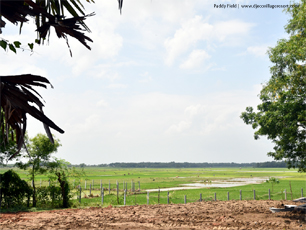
column 200, row 215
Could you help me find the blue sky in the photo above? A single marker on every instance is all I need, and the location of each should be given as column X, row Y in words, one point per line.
column 164, row 81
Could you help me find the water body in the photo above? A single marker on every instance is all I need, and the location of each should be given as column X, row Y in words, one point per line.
column 216, row 184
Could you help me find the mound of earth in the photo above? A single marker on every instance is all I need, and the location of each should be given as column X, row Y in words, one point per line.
column 200, row 215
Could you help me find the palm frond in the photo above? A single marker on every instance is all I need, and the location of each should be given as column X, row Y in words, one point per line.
column 16, row 93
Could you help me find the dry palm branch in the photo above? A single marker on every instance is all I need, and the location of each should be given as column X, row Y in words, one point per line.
column 16, row 92
column 49, row 13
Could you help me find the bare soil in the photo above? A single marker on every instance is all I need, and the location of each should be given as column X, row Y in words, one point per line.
column 200, row 215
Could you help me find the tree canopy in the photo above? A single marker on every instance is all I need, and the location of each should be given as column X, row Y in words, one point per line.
column 282, row 114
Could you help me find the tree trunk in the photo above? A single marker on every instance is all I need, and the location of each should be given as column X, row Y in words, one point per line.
column 34, row 194
column 64, row 188
column 34, row 188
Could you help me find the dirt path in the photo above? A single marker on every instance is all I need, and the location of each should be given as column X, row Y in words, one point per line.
column 204, row 215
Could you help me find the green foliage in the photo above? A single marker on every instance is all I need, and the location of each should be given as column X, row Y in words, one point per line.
column 282, row 114
column 38, row 158
column 49, row 196
column 14, row 191
column 60, row 171
column 6, row 45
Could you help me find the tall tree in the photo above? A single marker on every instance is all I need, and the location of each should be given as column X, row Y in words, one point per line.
column 282, row 114
column 38, row 159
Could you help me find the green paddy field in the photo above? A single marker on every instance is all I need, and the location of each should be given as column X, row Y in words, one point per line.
column 156, row 178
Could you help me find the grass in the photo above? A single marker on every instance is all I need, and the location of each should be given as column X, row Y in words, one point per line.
column 166, row 178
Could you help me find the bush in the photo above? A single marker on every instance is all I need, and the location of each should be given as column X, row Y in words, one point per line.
column 14, row 191
column 49, row 196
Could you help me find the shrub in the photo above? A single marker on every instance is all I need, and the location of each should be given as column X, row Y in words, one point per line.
column 14, row 191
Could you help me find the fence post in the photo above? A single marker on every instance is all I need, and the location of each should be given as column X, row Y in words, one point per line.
column 124, row 197
column 168, row 197
column 139, row 185
column 254, row 194
column 102, row 195
column 80, row 194
column 301, row 192
column 215, row 196
column 148, row 197
column 200, row 197
column 240, row 195
column 108, row 187
column 285, row 194
column 117, row 189
column 185, row 199
column 89, row 189
column 269, row 195
column 227, row 195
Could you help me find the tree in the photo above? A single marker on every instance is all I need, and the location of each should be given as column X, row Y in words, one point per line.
column 38, row 158
column 60, row 171
column 282, row 114
column 16, row 91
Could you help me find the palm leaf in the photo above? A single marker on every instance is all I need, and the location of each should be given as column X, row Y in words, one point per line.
column 16, row 93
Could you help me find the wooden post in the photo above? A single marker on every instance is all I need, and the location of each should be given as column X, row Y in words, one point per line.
column 148, row 197
column 124, row 197
column 240, row 195
column 185, row 199
column 285, row 194
column 139, row 185
column 269, row 195
column 215, row 196
column 117, row 189
column 200, row 197
column 102, row 195
column 168, row 197
column 227, row 195
column 108, row 187
column 254, row 194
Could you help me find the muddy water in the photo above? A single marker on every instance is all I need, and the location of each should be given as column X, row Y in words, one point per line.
column 216, row 184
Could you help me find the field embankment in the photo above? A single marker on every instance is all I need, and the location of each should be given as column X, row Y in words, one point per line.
column 200, row 215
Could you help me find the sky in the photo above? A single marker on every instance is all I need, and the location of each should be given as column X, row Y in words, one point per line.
column 164, row 81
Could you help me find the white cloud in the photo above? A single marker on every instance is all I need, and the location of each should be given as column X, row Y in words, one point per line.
column 258, row 51
column 102, row 103
column 224, row 29
column 189, row 34
column 180, row 127
column 196, row 29
column 195, row 59
column 117, row 86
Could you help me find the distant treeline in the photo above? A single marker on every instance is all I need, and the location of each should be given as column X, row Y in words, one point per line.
column 269, row 164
